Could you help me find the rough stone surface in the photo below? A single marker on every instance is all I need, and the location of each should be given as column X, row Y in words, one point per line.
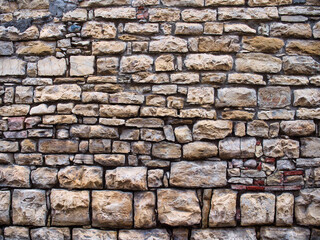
column 224, row 233
column 208, row 129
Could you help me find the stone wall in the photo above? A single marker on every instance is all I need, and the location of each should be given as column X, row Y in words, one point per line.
column 149, row 119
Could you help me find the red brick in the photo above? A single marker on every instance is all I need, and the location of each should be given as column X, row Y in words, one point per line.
column 270, row 160
column 291, row 173
column 258, row 182
column 255, row 188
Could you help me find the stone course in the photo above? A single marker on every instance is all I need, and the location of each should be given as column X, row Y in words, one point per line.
column 159, row 119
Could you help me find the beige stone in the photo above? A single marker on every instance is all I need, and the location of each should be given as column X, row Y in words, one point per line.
column 183, row 3
column 59, row 119
column 238, row 28
column 158, row 112
column 209, row 129
column 258, row 128
column 198, row 113
column 307, row 207
column 107, row 65
column 262, row 44
column 51, row 66
column 204, row 174
column 164, row 63
column 168, row 44
column 99, row 30
column 305, row 65
column 128, row 178
column 257, row 208
column 155, row 234
column 93, row 131
column 12, row 233
column 259, row 13
column 164, row 14
column 208, row 62
column 69, row 208
column 274, row 97
column 246, row 78
column 77, row 15
column 308, row 97
column 224, row 233
column 184, row 78
column 214, row 28
column 115, row 13
column 310, row 147
column 188, row 29
column 306, row 113
column 50, row 232
column 199, row 15
column 14, row 176
column 298, row 127
column 223, row 208
column 269, row 2
column 303, row 47
column 288, row 80
column 166, row 150
column 5, row 207
column 284, row 207
column 276, row 114
column 219, row 44
column 80, row 177
column 29, row 207
column 183, row 134
column 12, row 66
column 119, row 111
column 138, row 28
column 44, row 177
column 57, row 93
column 35, row 48
column 281, row 148
column 224, row 2
column 144, row 210
column 136, row 63
column 52, row 31
column 287, row 30
column 199, row 150
column 284, row 232
column 82, row 234
column 112, row 209
column 258, row 62
column 148, row 77
column 178, row 207
column 108, row 47
column 316, row 30
column 81, row 65
column 110, row 160
column 200, row 95
column 103, row 3
column 233, row 147
column 58, row 146
column 14, row 110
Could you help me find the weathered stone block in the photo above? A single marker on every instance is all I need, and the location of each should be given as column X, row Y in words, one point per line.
column 168, row 44
column 155, row 234
column 12, row 66
column 309, row 97
column 166, row 150
column 69, row 208
column 224, row 233
column 274, row 97
column 209, row 129
column 208, row 62
column 306, row 207
column 178, row 207
column 99, row 30
column 144, row 210
column 298, row 127
column 51, row 66
column 199, row 150
column 258, row 62
column 14, row 176
column 236, row 97
column 5, row 207
column 112, row 209
column 284, row 207
column 310, row 147
column 203, row 174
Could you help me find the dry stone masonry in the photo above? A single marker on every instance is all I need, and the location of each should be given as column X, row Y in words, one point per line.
column 159, row 119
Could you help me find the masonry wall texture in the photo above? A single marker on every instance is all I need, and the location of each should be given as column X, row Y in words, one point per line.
column 159, row 119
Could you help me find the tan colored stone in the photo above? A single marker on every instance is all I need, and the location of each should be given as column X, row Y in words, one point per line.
column 262, row 44
column 208, row 62
column 298, row 127
column 204, row 174
column 274, row 97
column 93, row 131
column 158, row 112
column 82, row 234
column 257, row 208
column 128, row 178
column 166, row 150
column 107, row 65
column 103, row 3
column 81, row 65
column 5, row 207
column 281, row 147
column 304, row 65
column 138, row 3
column 69, row 208
column 209, row 129
column 29, row 207
column 307, row 207
column 80, row 177
column 144, row 29
column 144, row 210
column 267, row 13
column 303, row 47
column 148, row 77
column 58, row 146
column 51, row 66
column 223, row 208
column 164, row 63
column 164, row 14
column 288, row 80
column 288, row 30
column 276, row 115
column 14, row 176
column 198, row 113
column 246, row 78
column 108, row 47
column 219, row 44
column 155, row 234
column 224, row 2
column 199, row 15
column 115, row 13
column 183, row 3
column 237, row 115
column 258, row 62
column 59, row 119
column 178, row 207
column 52, row 31
column 14, row 110
column 136, row 63
column 199, row 150
column 44, row 177
column 57, row 93
column 284, row 206
column 200, row 95
column 284, row 232
column 119, row 111
column 112, row 209
column 12, row 66
column 258, row 128
column 224, row 233
column 168, row 44
column 110, row 160
column 253, row 3
column 35, row 48
column 308, row 97
column 99, row 30
column 306, row 113
column 214, row 28
column 77, row 15
column 184, row 78
column 310, row 147
column 188, row 29
column 233, row 147
column 238, row 28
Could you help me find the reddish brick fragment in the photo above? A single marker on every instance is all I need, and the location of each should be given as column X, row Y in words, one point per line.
column 292, row 173
column 255, row 188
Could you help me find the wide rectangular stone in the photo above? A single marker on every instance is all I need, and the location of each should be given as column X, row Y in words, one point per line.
column 267, row 13
column 258, row 62
column 168, row 44
column 52, row 66
column 224, row 233
column 115, row 13
column 12, row 67
column 155, row 234
column 108, row 47
column 102, row 3
column 291, row 30
column 164, row 14
column 210, row 129
column 81, row 65
column 58, row 146
column 35, row 48
column 166, row 150
column 219, row 44
column 99, row 30
column 236, row 97
column 224, row 2
column 199, row 15
column 14, row 110
column 274, row 97
column 208, row 62
column 93, row 131
column 297, row 233
column 253, row 3
column 303, row 47
column 199, row 174
column 57, row 93
column 302, row 65
column 119, row 111
column 183, row 3
column 144, row 29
